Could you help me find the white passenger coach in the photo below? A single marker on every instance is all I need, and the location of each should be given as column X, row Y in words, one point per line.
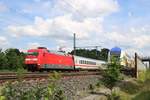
column 88, row 63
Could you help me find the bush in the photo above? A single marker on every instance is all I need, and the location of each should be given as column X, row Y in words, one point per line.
column 20, row 74
column 114, row 96
column 145, row 95
column 112, row 74
column 130, row 87
column 32, row 91
column 91, row 88
column 11, row 59
column 144, row 75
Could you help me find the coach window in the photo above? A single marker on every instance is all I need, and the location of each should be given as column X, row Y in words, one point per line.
column 90, row 62
column 81, row 61
column 93, row 63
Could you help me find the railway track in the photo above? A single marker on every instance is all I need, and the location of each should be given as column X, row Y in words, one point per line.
column 12, row 76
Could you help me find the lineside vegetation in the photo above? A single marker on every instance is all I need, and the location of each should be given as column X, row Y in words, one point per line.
column 22, row 90
column 11, row 59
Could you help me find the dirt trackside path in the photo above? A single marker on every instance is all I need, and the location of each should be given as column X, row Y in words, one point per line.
column 100, row 94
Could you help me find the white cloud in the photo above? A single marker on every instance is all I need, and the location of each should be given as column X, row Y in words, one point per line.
column 142, row 41
column 88, row 8
column 67, row 21
column 3, row 41
column 33, row 45
column 64, row 45
column 3, row 7
column 131, row 41
column 59, row 27
column 78, row 8
column 120, row 38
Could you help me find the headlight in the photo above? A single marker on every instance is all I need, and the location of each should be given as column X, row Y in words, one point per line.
column 31, row 59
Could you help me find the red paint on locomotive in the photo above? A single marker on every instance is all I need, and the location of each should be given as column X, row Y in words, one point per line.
column 41, row 58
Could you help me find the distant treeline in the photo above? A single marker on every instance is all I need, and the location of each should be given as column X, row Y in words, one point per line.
column 95, row 54
column 11, row 59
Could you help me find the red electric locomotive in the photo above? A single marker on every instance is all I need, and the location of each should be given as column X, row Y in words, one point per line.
column 41, row 58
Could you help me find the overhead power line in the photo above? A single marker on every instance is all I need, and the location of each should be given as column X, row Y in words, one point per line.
column 76, row 10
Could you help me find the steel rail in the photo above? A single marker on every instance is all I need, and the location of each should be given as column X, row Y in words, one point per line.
column 30, row 75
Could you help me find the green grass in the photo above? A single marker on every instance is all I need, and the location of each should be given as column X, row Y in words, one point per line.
column 144, row 95
column 124, row 96
column 130, row 87
column 138, row 89
column 143, row 75
column 4, row 70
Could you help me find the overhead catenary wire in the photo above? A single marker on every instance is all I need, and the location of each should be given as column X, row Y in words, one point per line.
column 74, row 8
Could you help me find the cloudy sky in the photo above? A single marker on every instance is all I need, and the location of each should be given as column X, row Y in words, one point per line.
column 51, row 23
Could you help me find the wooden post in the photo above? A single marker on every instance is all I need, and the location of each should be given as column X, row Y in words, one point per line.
column 149, row 65
column 135, row 71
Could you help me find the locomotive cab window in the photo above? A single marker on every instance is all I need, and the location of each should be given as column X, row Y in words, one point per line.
column 33, row 53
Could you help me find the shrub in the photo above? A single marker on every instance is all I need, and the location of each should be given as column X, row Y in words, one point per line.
column 130, row 87
column 114, row 96
column 32, row 91
column 144, row 75
column 112, row 74
column 20, row 74
column 144, row 95
column 91, row 88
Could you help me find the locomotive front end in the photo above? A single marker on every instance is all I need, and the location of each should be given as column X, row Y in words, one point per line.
column 31, row 60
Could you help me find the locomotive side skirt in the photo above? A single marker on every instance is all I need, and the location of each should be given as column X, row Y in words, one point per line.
column 54, row 66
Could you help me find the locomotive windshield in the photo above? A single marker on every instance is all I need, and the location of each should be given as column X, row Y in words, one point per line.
column 33, row 53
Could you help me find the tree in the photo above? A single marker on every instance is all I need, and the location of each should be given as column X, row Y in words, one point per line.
column 94, row 53
column 112, row 73
column 104, row 54
column 14, row 58
column 3, row 60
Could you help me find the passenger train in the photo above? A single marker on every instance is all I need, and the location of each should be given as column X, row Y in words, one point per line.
column 42, row 59
column 125, row 59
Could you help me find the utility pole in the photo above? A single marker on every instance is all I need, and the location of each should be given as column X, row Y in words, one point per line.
column 135, row 70
column 74, row 43
column 96, row 47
